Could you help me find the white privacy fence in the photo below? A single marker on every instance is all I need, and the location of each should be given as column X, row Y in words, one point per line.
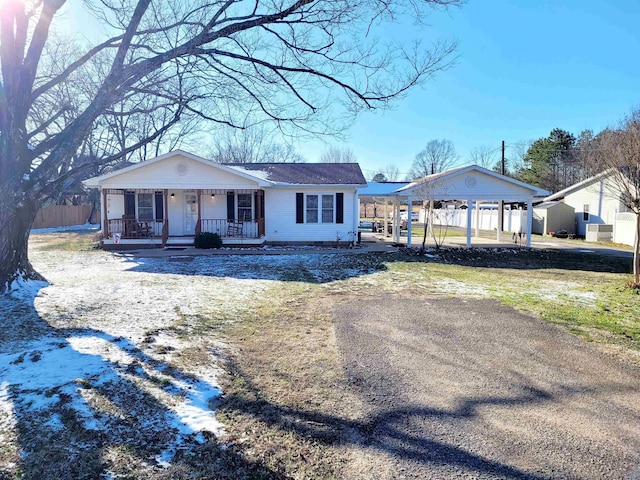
column 488, row 218
column 625, row 228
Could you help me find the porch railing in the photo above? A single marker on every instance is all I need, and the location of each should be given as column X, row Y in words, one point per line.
column 132, row 228
column 231, row 228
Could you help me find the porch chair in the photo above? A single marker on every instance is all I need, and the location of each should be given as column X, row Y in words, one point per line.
column 234, row 228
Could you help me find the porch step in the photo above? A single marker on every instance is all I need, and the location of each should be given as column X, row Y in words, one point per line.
column 179, row 241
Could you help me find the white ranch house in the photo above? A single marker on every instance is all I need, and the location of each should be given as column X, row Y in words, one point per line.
column 169, row 199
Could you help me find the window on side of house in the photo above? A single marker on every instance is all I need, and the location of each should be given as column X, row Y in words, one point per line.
column 327, row 208
column 312, row 208
column 585, row 212
column 145, row 206
column 244, row 206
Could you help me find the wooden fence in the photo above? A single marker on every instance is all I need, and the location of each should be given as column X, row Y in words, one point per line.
column 54, row 216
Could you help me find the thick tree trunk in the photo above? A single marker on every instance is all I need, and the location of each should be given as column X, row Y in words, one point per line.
column 15, row 225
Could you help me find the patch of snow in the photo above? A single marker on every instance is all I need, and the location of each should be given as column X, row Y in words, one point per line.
column 71, row 228
column 454, row 286
column 26, row 290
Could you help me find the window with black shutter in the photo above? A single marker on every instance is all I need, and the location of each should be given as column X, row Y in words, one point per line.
column 299, row 207
column 159, row 206
column 339, row 207
column 231, row 206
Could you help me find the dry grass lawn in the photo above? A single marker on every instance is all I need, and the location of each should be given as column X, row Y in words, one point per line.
column 172, row 329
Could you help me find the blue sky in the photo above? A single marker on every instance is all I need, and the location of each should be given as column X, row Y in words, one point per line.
column 525, row 67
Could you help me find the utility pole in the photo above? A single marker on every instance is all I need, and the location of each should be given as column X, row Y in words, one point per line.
column 501, row 202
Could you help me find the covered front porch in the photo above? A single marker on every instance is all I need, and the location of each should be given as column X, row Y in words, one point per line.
column 165, row 217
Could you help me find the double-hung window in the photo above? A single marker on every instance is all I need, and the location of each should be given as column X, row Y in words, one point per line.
column 312, row 208
column 327, row 208
column 145, row 206
column 244, row 206
column 585, row 212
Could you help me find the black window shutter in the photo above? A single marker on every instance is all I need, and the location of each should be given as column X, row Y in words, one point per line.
column 159, row 206
column 339, row 207
column 130, row 205
column 231, row 206
column 299, row 207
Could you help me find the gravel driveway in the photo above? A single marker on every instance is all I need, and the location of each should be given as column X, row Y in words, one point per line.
column 472, row 389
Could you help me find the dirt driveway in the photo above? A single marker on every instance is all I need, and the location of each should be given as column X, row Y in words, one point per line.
column 472, row 389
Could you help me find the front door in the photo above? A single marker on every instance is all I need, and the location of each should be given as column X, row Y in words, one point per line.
column 190, row 213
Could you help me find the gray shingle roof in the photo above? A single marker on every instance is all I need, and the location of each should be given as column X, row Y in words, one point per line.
column 305, row 173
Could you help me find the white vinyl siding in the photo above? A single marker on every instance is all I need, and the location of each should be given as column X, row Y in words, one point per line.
column 280, row 217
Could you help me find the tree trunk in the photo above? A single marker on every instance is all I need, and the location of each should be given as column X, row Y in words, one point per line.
column 15, row 225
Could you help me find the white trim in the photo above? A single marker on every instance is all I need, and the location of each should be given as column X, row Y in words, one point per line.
column 96, row 182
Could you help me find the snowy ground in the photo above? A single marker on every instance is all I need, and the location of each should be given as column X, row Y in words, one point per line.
column 111, row 354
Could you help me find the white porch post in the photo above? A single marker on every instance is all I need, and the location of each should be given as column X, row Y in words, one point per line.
column 529, row 221
column 477, row 219
column 469, row 208
column 410, row 202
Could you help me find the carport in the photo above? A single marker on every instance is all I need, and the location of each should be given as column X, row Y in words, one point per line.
column 472, row 185
column 385, row 194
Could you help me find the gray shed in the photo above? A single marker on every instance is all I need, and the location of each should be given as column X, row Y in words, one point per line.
column 553, row 216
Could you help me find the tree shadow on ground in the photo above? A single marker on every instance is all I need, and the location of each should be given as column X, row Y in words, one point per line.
column 80, row 403
column 311, row 268
column 385, row 430
column 325, row 268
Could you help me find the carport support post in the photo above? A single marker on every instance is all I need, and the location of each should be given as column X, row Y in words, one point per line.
column 393, row 221
column 409, row 209
column 469, row 208
column 386, row 219
column 500, row 219
column 529, row 221
column 396, row 222
column 477, row 219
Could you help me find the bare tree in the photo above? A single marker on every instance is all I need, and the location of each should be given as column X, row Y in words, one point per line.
column 518, row 152
column 437, row 156
column 391, row 173
column 437, row 219
column 338, row 155
column 617, row 152
column 254, row 144
column 484, row 156
column 302, row 64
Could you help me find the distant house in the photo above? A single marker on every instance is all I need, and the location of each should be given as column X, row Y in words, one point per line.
column 169, row 199
column 596, row 201
column 553, row 216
